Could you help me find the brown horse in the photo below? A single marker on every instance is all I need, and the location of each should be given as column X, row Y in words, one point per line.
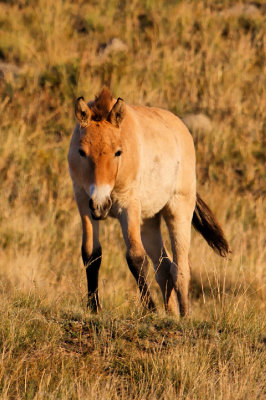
column 137, row 164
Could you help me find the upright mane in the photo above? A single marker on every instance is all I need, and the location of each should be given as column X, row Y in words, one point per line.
column 102, row 104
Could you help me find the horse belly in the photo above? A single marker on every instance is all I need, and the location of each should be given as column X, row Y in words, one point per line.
column 158, row 185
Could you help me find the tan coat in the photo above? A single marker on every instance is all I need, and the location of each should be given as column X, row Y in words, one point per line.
column 136, row 164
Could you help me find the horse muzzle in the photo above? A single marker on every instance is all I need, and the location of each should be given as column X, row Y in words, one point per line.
column 100, row 211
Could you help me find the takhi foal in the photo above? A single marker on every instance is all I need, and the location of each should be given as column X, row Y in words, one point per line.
column 137, row 164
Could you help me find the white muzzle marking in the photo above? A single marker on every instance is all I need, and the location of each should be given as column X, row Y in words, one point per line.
column 99, row 193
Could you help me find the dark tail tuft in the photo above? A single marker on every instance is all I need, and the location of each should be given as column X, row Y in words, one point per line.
column 204, row 222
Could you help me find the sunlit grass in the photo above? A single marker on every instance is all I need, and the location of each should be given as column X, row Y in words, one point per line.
column 186, row 56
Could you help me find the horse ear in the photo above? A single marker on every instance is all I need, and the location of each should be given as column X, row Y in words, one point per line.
column 82, row 112
column 118, row 112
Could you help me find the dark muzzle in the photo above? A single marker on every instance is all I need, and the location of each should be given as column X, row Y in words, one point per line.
column 100, row 211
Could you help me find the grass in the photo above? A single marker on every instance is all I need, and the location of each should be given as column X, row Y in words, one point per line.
column 63, row 352
column 186, row 56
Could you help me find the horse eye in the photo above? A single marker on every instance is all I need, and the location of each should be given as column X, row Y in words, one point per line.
column 118, row 153
column 82, row 153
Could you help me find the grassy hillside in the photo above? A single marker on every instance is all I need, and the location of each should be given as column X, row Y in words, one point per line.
column 191, row 57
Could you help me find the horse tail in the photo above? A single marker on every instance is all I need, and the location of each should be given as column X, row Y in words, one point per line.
column 205, row 223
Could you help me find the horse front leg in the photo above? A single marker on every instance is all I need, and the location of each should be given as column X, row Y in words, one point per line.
column 92, row 262
column 91, row 250
column 136, row 256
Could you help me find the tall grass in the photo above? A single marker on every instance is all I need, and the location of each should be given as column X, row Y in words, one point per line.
column 189, row 57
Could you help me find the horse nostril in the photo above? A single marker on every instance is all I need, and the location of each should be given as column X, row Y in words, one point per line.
column 107, row 205
column 82, row 153
column 91, row 204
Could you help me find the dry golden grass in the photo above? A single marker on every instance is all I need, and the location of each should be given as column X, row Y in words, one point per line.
column 186, row 56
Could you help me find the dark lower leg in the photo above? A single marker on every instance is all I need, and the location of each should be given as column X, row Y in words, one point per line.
column 138, row 266
column 92, row 263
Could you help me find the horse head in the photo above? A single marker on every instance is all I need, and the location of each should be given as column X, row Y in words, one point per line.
column 100, row 147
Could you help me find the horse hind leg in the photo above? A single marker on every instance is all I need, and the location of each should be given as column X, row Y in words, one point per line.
column 178, row 215
column 153, row 244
